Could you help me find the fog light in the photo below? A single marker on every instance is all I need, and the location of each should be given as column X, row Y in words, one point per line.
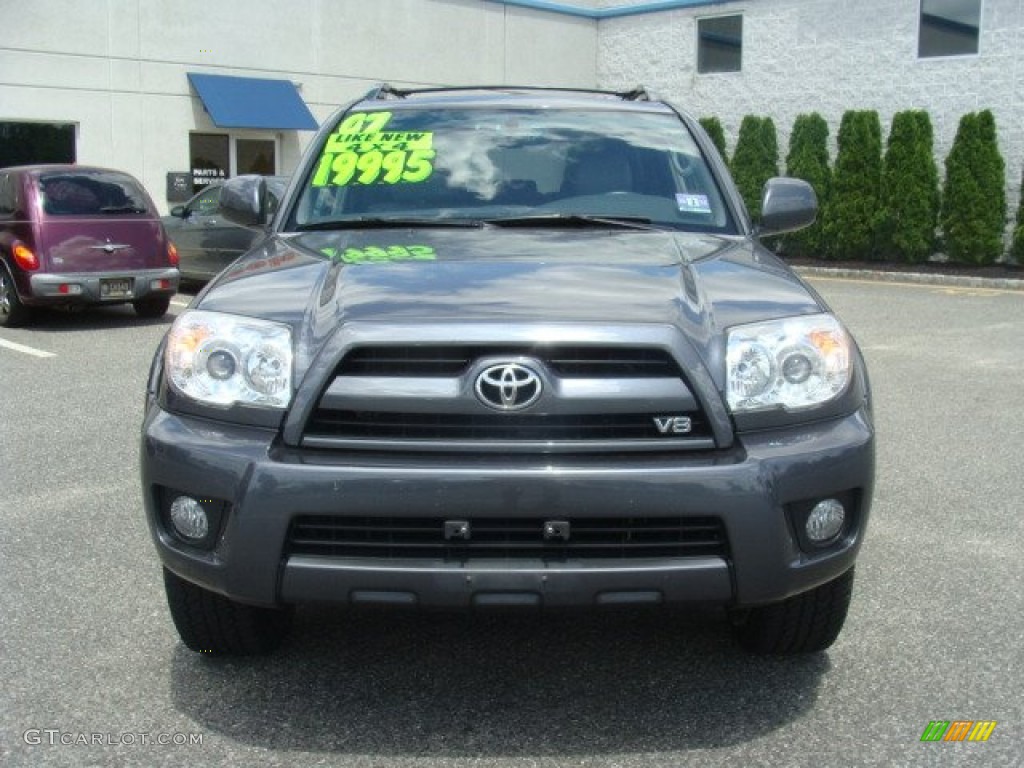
column 159, row 285
column 190, row 519
column 825, row 521
column 70, row 289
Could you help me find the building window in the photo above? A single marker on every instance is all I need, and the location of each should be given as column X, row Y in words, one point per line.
column 255, row 156
column 719, row 44
column 30, row 143
column 949, row 28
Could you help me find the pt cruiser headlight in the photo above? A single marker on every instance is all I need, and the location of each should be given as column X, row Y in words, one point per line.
column 793, row 363
column 224, row 359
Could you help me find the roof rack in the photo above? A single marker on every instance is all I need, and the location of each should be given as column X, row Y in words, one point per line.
column 386, row 91
column 637, row 94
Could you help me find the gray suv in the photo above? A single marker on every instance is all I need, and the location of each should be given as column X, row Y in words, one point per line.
column 509, row 347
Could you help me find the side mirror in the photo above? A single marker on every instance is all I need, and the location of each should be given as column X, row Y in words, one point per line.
column 178, row 211
column 243, row 200
column 786, row 206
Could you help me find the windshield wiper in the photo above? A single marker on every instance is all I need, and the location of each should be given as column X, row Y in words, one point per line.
column 378, row 222
column 574, row 220
column 122, row 209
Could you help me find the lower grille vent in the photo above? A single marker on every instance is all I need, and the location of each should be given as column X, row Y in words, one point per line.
column 389, row 538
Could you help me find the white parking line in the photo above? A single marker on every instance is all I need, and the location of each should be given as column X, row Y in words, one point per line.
column 176, row 303
column 27, row 350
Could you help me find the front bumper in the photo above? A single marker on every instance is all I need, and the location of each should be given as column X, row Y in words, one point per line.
column 46, row 287
column 265, row 486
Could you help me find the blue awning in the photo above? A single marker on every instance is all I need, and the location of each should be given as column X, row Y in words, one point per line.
column 252, row 102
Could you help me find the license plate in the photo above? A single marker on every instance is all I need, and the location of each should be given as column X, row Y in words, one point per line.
column 116, row 289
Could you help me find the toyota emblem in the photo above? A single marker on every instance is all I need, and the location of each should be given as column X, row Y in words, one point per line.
column 508, row 386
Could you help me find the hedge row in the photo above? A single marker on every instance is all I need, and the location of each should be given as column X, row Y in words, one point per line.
column 884, row 205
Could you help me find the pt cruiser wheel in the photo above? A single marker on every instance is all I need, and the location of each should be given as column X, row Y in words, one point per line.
column 12, row 312
column 153, row 307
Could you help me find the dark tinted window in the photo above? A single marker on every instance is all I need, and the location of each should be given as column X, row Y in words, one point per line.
column 949, row 28
column 255, row 156
column 720, row 44
column 32, row 143
column 489, row 164
column 8, row 203
column 99, row 193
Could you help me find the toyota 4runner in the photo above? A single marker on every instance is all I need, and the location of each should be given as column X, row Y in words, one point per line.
column 509, row 347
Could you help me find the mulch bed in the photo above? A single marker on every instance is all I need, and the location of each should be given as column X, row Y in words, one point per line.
column 995, row 271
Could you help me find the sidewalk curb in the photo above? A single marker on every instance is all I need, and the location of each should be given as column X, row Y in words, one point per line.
column 920, row 278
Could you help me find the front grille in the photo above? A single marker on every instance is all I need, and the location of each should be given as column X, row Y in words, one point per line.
column 393, row 538
column 596, row 398
column 370, row 425
column 563, row 361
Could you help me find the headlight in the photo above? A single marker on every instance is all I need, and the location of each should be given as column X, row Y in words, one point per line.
column 224, row 359
column 795, row 363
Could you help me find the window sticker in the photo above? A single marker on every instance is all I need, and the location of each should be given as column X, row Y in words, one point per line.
column 375, row 253
column 693, row 203
column 360, row 151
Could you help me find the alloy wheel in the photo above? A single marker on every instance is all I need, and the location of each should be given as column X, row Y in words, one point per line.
column 5, row 295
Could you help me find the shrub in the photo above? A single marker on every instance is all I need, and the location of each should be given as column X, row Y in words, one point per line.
column 974, row 196
column 755, row 160
column 851, row 213
column 808, row 160
column 713, row 127
column 910, row 190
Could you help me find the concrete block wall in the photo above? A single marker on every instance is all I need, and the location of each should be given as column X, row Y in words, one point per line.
column 827, row 56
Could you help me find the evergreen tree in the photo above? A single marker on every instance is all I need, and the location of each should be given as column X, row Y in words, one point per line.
column 713, row 127
column 974, row 196
column 1017, row 250
column 910, row 190
column 770, row 143
column 848, row 223
column 755, row 160
column 808, row 160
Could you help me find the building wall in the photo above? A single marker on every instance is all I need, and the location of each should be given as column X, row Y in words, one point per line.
column 117, row 68
column 827, row 56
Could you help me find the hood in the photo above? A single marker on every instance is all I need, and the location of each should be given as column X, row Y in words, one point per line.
column 701, row 284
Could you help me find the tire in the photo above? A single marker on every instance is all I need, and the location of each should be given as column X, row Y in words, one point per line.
column 213, row 624
column 12, row 312
column 154, row 306
column 805, row 623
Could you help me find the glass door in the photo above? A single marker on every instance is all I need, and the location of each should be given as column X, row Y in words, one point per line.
column 209, row 158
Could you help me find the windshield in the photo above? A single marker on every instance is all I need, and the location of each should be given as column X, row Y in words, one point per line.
column 91, row 193
column 512, row 165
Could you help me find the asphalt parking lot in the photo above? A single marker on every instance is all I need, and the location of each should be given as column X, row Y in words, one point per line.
column 936, row 630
